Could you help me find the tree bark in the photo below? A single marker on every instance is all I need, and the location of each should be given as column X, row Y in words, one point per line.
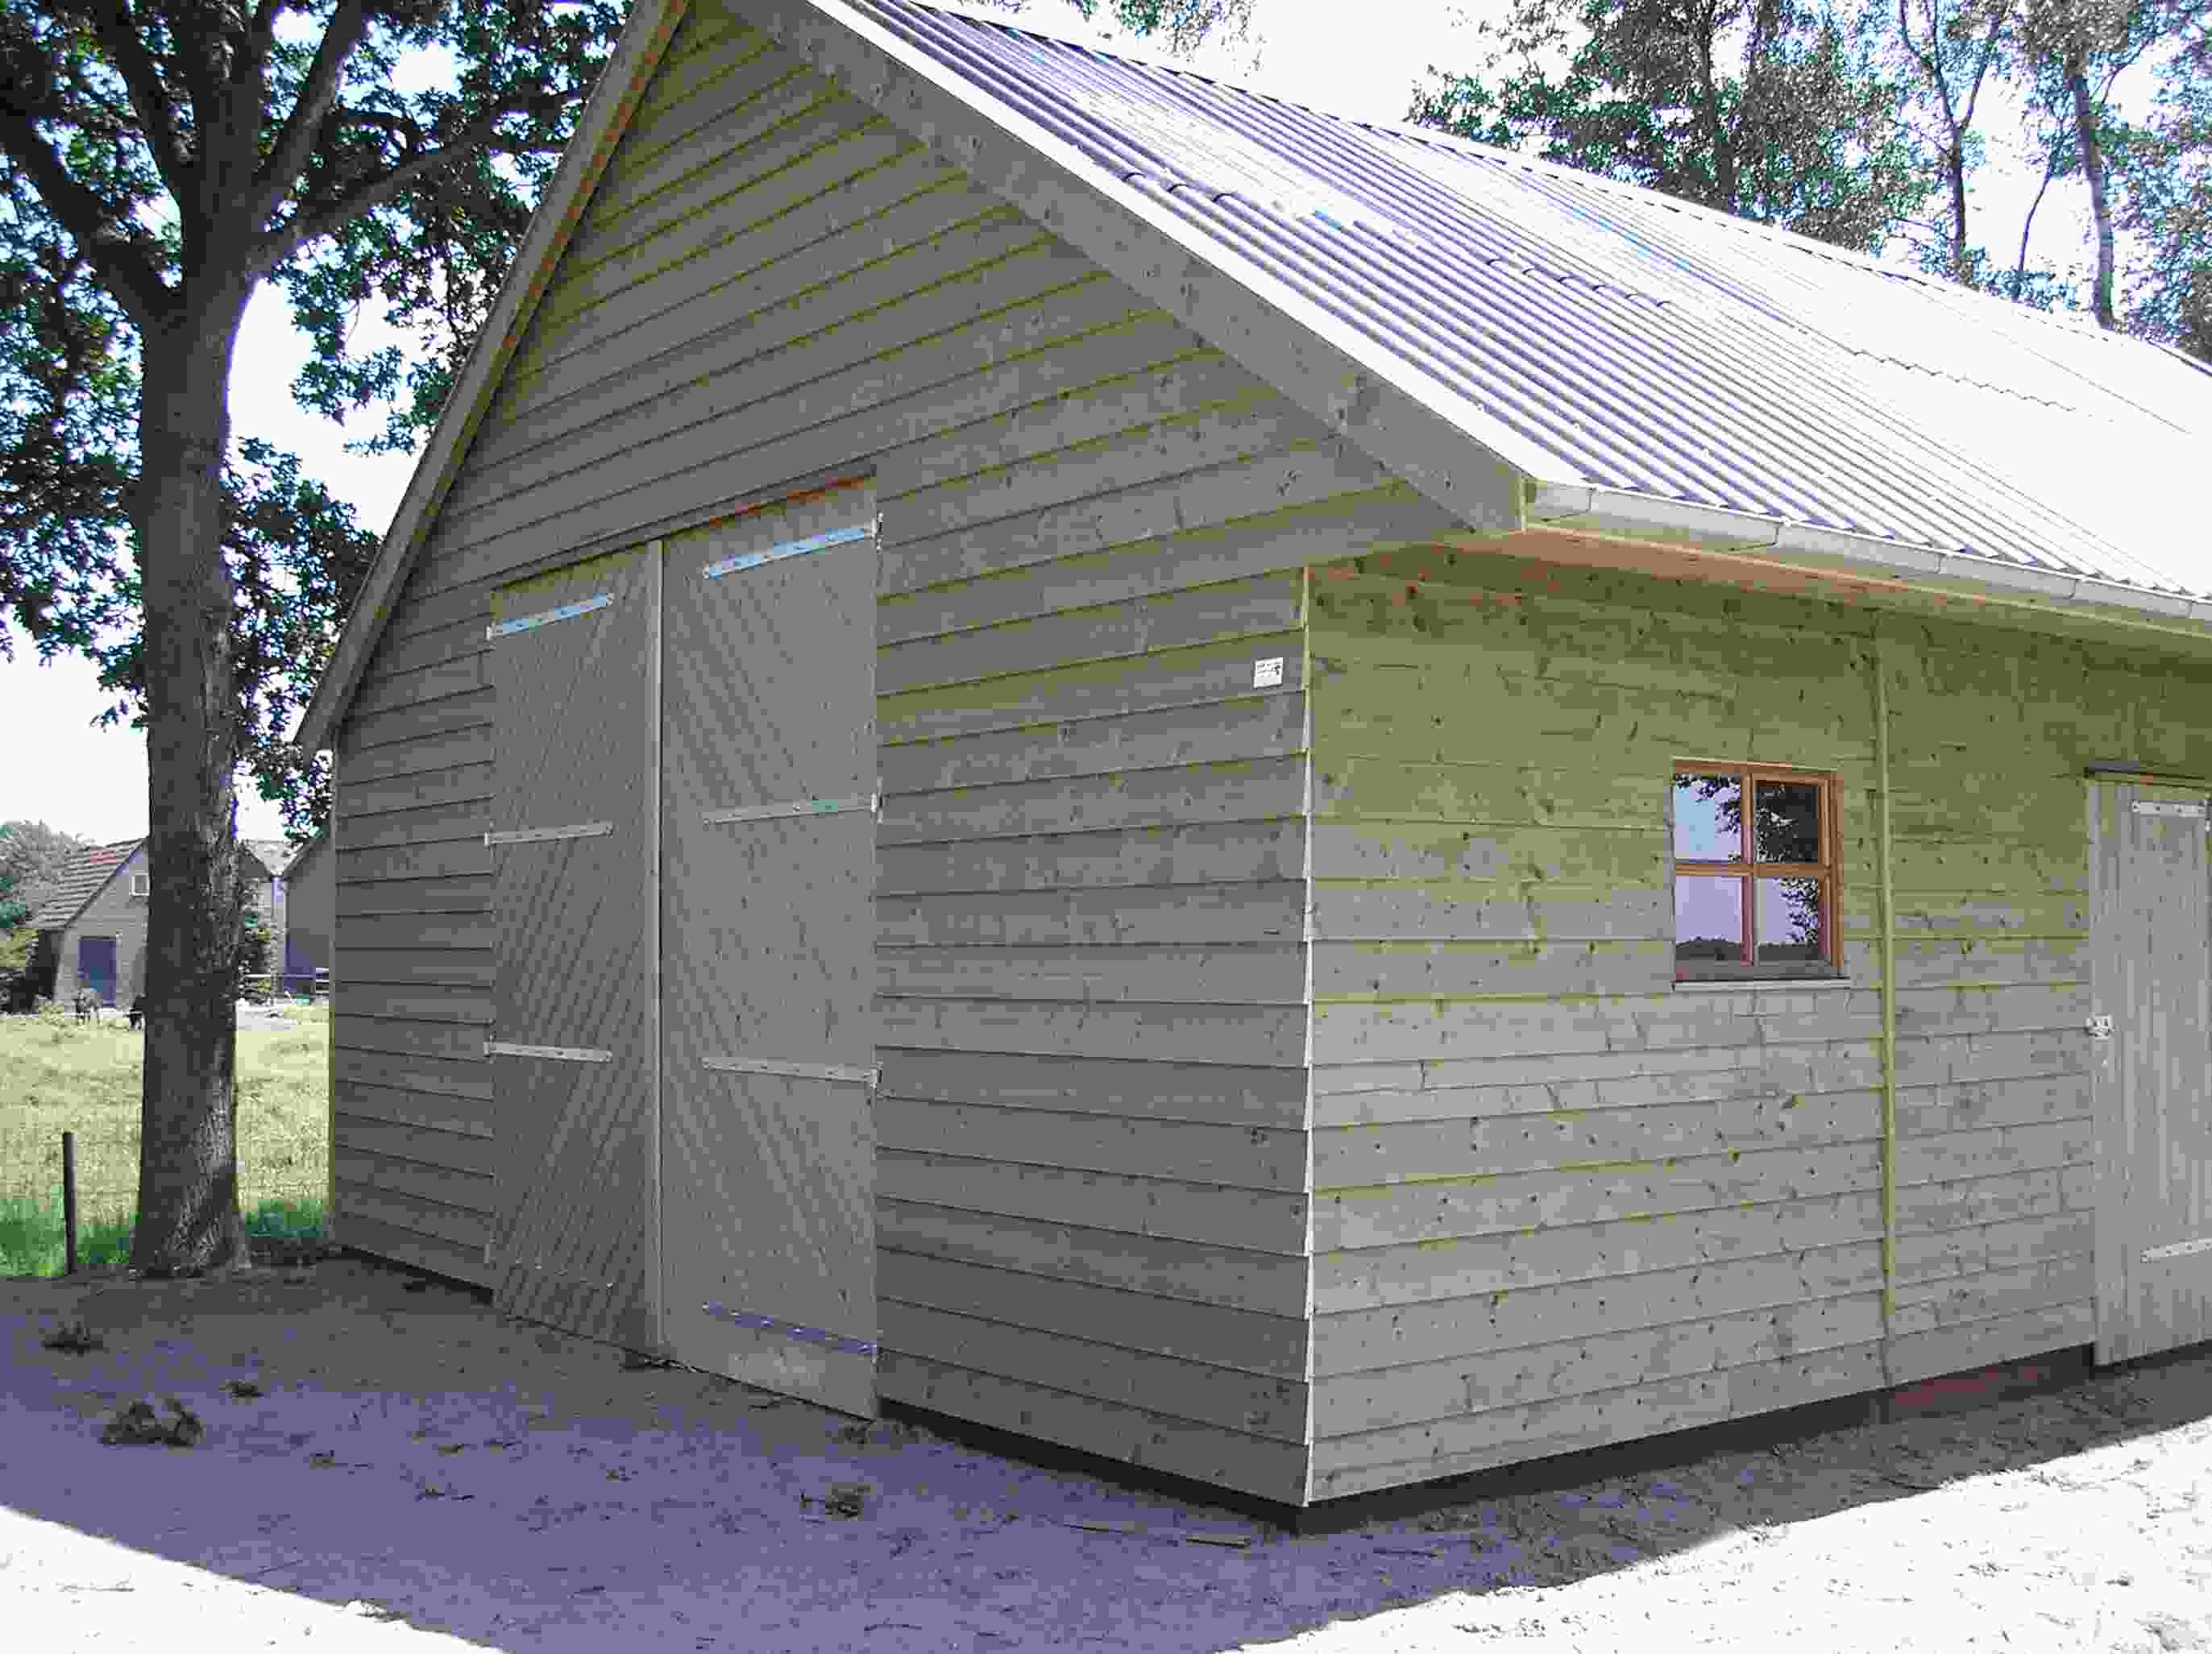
column 188, row 1216
column 2101, row 204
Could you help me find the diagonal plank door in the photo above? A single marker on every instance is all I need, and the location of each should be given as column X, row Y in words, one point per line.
column 2151, row 968
column 574, row 658
column 767, row 925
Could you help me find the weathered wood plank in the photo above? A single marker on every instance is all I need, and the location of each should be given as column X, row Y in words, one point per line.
column 471, row 1152
column 465, row 1079
column 1163, row 855
column 1255, row 606
column 1350, row 971
column 430, row 1221
column 1255, row 1099
column 1157, row 1266
column 1246, row 1219
column 1928, row 1306
column 1403, row 1335
column 1468, row 1265
column 1238, row 791
column 418, row 963
column 1215, row 915
column 1374, row 1156
column 888, row 203
column 469, row 710
column 430, row 821
column 420, row 790
column 1986, row 1342
column 1477, row 1203
column 1241, row 1035
column 1512, row 1435
column 362, row 1105
column 421, row 1003
column 1255, row 974
column 1399, row 1396
column 1273, row 1469
column 444, row 1185
column 393, row 689
column 1197, row 678
column 367, row 934
column 796, row 307
column 447, row 858
column 362, row 1223
column 1273, row 1346
column 466, row 893
column 1231, row 1156
column 1270, row 724
column 1194, row 1391
column 1480, row 910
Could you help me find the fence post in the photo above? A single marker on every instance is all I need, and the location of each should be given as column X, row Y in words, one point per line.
column 68, row 1203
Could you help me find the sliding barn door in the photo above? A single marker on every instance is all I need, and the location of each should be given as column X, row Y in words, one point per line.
column 768, row 927
column 573, row 1043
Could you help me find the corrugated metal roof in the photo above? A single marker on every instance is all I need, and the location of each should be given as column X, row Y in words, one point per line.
column 1614, row 338
column 81, row 882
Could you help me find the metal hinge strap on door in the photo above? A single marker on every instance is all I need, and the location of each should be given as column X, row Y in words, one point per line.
column 840, row 1072
column 2144, row 807
column 559, row 1053
column 871, row 803
column 790, row 548
column 2179, row 1249
column 541, row 835
column 792, row 1329
column 566, row 612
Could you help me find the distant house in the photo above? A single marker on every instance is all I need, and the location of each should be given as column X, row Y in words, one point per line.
column 310, row 909
column 92, row 930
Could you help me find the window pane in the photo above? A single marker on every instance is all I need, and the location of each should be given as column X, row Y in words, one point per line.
column 1788, row 828
column 1789, row 921
column 1707, row 917
column 1708, row 818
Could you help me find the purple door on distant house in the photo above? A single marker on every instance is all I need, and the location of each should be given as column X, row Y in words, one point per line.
column 298, row 966
column 95, row 966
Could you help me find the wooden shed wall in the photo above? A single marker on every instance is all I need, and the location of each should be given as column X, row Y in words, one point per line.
column 1559, row 1201
column 1093, row 1208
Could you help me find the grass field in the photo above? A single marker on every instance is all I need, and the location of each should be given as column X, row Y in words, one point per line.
column 58, row 1075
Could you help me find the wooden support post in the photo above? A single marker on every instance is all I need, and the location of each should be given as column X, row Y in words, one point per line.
column 68, row 1203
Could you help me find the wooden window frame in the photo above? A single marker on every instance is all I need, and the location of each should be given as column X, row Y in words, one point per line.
column 1750, row 870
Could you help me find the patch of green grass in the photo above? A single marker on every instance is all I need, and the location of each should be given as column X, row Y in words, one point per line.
column 58, row 1075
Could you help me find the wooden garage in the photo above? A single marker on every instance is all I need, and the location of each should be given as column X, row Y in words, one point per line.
column 1280, row 798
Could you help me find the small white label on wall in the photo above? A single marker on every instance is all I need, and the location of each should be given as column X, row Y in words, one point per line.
column 1266, row 673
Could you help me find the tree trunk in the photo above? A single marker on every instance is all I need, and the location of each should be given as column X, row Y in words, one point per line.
column 188, row 1215
column 2101, row 203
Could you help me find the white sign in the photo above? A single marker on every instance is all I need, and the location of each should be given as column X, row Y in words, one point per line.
column 1266, row 673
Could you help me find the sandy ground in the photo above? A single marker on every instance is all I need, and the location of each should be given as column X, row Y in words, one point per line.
column 416, row 1472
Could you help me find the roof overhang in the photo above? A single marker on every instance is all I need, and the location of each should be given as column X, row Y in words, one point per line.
column 1729, row 545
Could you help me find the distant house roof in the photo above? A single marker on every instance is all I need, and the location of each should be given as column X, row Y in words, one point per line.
column 91, row 868
column 1527, row 345
column 81, row 880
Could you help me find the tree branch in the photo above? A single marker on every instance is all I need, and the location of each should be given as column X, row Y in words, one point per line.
column 149, row 98
column 121, row 260
column 295, row 140
column 312, row 223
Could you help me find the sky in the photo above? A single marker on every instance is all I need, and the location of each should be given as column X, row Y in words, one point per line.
column 92, row 782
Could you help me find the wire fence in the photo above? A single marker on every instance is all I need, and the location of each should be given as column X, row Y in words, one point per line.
column 60, row 1074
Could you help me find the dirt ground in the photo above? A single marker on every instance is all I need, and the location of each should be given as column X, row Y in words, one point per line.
column 396, row 1468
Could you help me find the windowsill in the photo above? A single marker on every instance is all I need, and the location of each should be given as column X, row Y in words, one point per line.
column 1763, row 985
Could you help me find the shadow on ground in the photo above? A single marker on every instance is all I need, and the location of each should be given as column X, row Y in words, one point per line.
column 388, row 1441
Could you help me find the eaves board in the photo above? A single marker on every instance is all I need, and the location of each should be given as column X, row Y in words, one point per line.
column 624, row 81
column 1412, row 425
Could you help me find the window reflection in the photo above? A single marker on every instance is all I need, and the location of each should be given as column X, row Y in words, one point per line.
column 1789, row 922
column 1707, row 917
column 1787, row 828
column 1708, row 817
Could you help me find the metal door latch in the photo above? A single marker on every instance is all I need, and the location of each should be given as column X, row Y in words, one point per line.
column 2100, row 1028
